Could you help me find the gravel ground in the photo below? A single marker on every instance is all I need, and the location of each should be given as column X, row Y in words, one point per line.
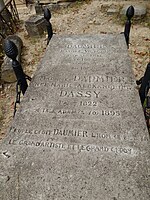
column 89, row 17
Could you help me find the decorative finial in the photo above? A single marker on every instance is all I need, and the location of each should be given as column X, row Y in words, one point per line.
column 47, row 14
column 130, row 12
column 10, row 49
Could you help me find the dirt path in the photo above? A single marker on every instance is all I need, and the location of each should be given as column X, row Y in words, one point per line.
column 86, row 18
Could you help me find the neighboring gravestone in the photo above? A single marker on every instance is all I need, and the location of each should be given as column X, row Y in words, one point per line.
column 53, row 5
column 140, row 10
column 35, row 25
column 7, row 72
column 38, row 9
column 80, row 132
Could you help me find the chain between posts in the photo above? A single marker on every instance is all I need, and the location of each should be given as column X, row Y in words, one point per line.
column 18, row 93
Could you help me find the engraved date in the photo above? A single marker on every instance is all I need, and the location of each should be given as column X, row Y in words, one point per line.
column 88, row 103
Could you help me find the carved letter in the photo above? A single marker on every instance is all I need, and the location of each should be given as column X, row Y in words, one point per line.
column 63, row 93
column 88, row 94
column 97, row 94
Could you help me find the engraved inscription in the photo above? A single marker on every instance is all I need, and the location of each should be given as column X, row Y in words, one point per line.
column 53, row 132
column 88, row 82
column 75, row 133
column 88, row 103
column 80, row 133
column 92, row 49
column 61, row 112
column 86, row 94
column 81, row 103
column 89, row 112
column 89, row 78
column 30, row 131
column 99, row 78
column 84, row 86
column 75, row 147
column 85, row 46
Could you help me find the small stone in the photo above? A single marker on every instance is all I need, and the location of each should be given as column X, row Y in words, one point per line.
column 90, row 22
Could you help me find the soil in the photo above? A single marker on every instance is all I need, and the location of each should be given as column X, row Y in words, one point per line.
column 86, row 17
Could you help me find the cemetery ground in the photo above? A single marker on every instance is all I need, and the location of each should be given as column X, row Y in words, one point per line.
column 89, row 17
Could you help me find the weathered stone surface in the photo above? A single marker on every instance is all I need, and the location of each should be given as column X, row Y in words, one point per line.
column 112, row 11
column 80, row 132
column 7, row 72
column 140, row 10
column 35, row 25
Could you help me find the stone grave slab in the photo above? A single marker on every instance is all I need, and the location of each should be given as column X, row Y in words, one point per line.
column 80, row 132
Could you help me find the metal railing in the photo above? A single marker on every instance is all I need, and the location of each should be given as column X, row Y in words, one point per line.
column 9, row 18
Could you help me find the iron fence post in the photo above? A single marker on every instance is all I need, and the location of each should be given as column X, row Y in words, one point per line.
column 11, row 51
column 129, row 14
column 47, row 16
column 145, row 84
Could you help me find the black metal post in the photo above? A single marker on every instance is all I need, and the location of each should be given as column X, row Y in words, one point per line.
column 145, row 84
column 47, row 16
column 20, row 75
column 11, row 51
column 129, row 14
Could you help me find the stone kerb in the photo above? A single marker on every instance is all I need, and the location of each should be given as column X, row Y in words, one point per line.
column 80, row 132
